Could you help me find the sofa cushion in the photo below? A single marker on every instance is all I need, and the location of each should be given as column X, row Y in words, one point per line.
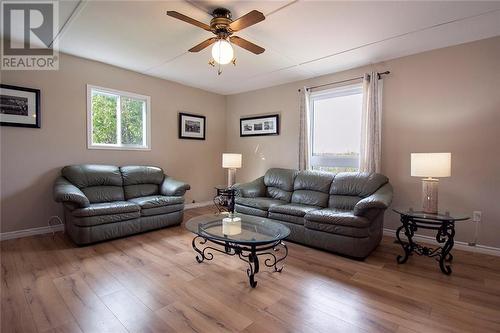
column 89, row 221
column 299, row 220
column 335, row 229
column 360, row 184
column 155, row 201
column 343, row 202
column 337, row 217
column 86, row 175
column 279, row 194
column 141, row 181
column 259, row 202
column 136, row 174
column 140, row 190
column 162, row 210
column 336, row 221
column 279, row 183
column 311, row 188
column 310, row 198
column 106, row 208
column 293, row 209
column 97, row 194
column 314, row 181
column 250, row 210
column 280, row 178
column 350, row 187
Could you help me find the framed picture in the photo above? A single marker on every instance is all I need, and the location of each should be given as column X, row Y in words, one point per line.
column 19, row 106
column 261, row 125
column 191, row 126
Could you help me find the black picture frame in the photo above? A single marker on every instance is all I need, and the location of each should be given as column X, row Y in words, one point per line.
column 253, row 119
column 182, row 115
column 36, row 92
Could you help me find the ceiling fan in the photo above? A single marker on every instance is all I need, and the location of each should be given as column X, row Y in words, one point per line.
column 223, row 27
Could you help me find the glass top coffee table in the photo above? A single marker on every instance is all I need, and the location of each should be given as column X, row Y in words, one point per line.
column 244, row 236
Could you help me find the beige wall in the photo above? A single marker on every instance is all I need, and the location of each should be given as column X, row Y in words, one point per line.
column 446, row 100
column 442, row 100
column 31, row 158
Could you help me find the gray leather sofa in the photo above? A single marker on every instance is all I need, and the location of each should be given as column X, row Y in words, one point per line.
column 342, row 212
column 105, row 201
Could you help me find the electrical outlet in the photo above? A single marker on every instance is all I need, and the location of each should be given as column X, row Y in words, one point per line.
column 476, row 216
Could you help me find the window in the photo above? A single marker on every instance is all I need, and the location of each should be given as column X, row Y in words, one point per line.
column 117, row 119
column 335, row 116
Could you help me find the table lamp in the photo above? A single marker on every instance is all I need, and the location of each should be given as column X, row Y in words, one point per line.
column 429, row 165
column 231, row 162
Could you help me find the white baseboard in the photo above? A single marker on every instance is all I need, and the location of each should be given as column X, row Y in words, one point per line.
column 198, row 204
column 494, row 251
column 31, row 232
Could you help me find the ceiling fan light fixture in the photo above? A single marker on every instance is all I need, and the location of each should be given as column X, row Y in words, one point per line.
column 223, row 27
column 222, row 52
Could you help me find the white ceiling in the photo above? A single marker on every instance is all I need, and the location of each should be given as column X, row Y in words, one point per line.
column 302, row 39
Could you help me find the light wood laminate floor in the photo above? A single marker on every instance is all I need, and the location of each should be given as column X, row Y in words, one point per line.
column 152, row 283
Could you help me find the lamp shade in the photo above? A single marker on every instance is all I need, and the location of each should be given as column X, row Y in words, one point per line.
column 231, row 161
column 431, row 164
column 222, row 52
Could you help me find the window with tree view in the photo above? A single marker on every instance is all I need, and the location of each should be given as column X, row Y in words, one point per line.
column 335, row 116
column 117, row 119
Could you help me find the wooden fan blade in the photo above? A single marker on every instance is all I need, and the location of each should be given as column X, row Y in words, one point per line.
column 247, row 45
column 203, row 44
column 247, row 20
column 187, row 19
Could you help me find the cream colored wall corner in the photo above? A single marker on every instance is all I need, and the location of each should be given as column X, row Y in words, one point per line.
column 445, row 100
column 32, row 158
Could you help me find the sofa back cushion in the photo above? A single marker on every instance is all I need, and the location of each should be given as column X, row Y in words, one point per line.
column 141, row 181
column 279, row 183
column 312, row 188
column 350, row 187
column 100, row 183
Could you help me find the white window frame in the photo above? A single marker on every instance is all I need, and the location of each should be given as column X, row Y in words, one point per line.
column 330, row 161
column 146, row 125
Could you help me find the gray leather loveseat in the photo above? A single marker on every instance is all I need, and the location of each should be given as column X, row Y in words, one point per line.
column 105, row 201
column 342, row 212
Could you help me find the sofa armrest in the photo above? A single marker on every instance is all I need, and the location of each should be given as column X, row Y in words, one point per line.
column 173, row 187
column 66, row 192
column 381, row 199
column 255, row 188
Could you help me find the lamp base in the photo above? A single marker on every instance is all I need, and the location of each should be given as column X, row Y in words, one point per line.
column 231, row 177
column 430, row 195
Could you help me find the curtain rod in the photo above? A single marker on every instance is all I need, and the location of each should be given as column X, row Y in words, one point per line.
column 348, row 80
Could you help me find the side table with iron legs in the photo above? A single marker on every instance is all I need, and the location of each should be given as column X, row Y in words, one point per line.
column 444, row 224
column 224, row 199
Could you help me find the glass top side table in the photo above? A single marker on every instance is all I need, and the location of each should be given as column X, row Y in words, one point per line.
column 444, row 224
column 224, row 199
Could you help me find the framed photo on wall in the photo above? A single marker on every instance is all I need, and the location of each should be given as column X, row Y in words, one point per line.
column 191, row 126
column 261, row 125
column 19, row 106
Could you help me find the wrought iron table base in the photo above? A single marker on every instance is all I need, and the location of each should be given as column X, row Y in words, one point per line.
column 224, row 200
column 445, row 234
column 248, row 253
